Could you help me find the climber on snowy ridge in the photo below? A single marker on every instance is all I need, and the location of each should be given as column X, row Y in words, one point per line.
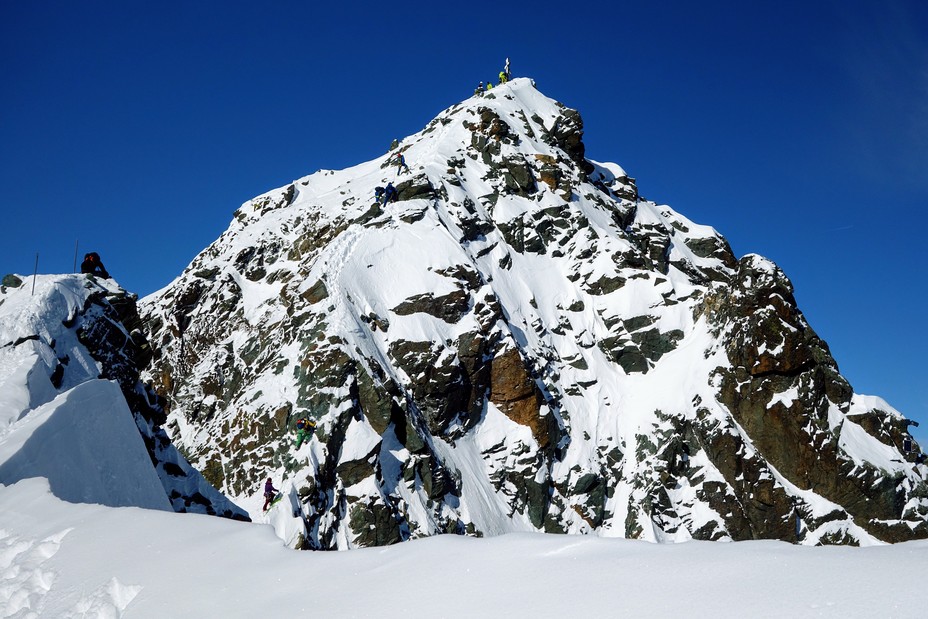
column 93, row 266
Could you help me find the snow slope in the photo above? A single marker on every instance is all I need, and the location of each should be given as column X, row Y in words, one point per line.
column 86, row 444
column 60, row 559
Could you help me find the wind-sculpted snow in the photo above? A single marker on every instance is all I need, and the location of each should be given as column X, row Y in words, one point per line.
column 87, row 445
column 520, row 342
column 72, row 407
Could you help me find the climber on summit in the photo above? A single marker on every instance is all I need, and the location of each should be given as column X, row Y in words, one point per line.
column 304, row 430
column 93, row 266
column 479, row 90
column 269, row 493
column 502, row 78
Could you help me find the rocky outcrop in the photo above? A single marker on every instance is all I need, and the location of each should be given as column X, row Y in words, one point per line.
column 567, row 133
column 514, row 393
column 109, row 327
column 784, row 391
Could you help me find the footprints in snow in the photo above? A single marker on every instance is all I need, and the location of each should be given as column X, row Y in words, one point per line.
column 26, row 579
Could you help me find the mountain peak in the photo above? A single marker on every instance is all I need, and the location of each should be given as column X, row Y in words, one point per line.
column 518, row 341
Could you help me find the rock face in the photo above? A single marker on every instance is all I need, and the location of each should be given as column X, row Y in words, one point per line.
column 519, row 343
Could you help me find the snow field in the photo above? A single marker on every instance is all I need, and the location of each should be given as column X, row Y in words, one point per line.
column 79, row 560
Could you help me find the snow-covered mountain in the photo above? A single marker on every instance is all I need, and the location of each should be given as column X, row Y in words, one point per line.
column 519, row 343
column 72, row 407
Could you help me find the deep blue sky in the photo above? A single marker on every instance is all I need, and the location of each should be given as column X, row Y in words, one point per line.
column 797, row 129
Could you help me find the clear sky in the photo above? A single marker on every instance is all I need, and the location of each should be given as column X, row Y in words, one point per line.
column 798, row 129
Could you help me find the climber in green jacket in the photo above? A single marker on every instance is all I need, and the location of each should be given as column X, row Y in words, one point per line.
column 304, row 430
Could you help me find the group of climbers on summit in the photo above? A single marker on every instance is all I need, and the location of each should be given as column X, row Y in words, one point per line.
column 504, row 76
column 385, row 195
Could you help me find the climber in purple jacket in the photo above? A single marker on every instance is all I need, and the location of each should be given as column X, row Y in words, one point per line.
column 269, row 493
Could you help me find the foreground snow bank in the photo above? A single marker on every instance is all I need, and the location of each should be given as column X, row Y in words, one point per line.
column 60, row 559
column 86, row 443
